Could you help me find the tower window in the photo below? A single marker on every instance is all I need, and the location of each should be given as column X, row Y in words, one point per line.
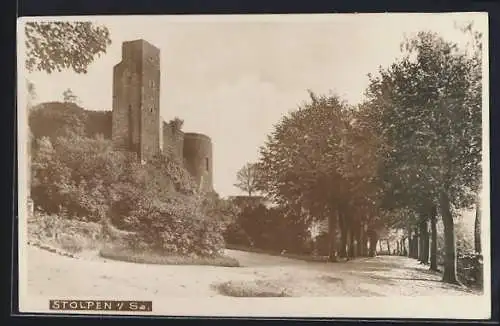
column 206, row 163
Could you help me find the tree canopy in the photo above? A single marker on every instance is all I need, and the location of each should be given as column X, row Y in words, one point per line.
column 59, row 45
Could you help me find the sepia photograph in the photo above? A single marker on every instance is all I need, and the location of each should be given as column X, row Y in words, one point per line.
column 306, row 165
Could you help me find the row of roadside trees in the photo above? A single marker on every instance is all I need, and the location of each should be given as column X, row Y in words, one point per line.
column 408, row 155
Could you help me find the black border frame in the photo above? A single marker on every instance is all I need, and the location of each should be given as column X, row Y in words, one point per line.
column 143, row 7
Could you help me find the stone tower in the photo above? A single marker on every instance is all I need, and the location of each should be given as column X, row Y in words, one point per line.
column 136, row 100
column 198, row 159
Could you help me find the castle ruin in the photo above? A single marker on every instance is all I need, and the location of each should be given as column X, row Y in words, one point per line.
column 136, row 122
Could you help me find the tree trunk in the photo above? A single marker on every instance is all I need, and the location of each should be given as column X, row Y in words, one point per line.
column 433, row 218
column 332, row 237
column 424, row 256
column 373, row 244
column 361, row 238
column 343, row 236
column 364, row 242
column 352, row 248
column 421, row 239
column 398, row 251
column 450, row 259
column 388, row 246
column 415, row 244
column 411, row 245
column 410, row 242
column 477, row 228
column 427, row 243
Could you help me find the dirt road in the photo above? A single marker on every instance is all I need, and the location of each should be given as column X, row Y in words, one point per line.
column 53, row 275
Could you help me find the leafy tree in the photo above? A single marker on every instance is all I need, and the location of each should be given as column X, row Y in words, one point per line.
column 61, row 45
column 300, row 163
column 31, row 93
column 176, row 123
column 69, row 96
column 55, row 46
column 430, row 104
column 247, row 178
column 55, row 119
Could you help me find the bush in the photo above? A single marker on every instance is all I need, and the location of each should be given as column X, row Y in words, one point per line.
column 470, row 268
column 118, row 252
column 235, row 235
column 157, row 202
column 257, row 288
column 71, row 243
column 175, row 226
column 61, row 232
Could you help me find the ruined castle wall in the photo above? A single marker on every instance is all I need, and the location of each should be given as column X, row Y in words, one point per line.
column 150, row 117
column 126, row 102
column 173, row 138
column 136, row 84
column 198, row 159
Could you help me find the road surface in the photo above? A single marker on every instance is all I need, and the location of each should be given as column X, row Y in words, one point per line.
column 50, row 274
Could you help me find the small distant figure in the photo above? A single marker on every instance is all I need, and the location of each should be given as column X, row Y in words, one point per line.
column 283, row 251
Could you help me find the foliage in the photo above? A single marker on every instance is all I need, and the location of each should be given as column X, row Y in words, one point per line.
column 427, row 106
column 75, row 173
column 220, row 209
column 54, row 46
column 157, row 201
column 112, row 251
column 431, row 119
column 247, row 178
column 175, row 225
column 297, row 161
column 56, row 119
column 273, row 229
column 64, row 233
column 234, row 234
column 69, row 96
column 320, row 162
column 257, row 288
column 176, row 123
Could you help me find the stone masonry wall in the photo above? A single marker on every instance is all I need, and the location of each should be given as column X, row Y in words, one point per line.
column 198, row 159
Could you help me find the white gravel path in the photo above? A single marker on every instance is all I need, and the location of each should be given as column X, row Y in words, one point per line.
column 53, row 275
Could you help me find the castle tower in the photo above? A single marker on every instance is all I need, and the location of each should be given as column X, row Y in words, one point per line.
column 136, row 100
column 198, row 159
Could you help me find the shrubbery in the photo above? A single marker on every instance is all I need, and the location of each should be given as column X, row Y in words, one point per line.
column 175, row 226
column 272, row 229
column 470, row 268
column 64, row 233
column 157, row 203
column 469, row 262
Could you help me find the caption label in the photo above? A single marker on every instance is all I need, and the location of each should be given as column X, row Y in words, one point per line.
column 99, row 305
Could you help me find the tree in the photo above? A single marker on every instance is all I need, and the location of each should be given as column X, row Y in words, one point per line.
column 55, row 46
column 69, row 96
column 61, row 45
column 247, row 178
column 31, row 93
column 301, row 164
column 431, row 118
column 477, row 227
column 176, row 123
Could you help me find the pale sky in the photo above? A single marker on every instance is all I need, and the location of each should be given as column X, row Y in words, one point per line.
column 232, row 78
